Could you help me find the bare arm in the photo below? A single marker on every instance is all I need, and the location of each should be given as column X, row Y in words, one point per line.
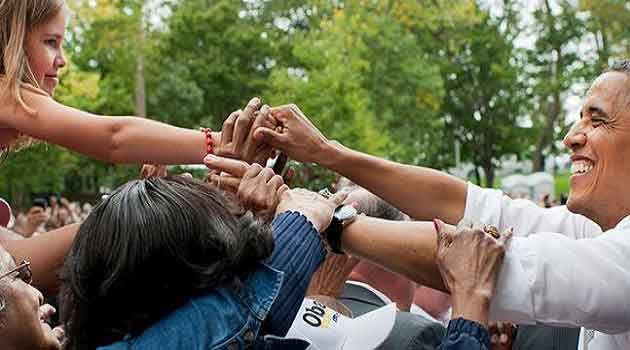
column 422, row 193
column 408, row 248
column 112, row 139
column 46, row 252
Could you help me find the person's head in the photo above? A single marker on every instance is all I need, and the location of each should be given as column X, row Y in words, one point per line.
column 31, row 34
column 21, row 326
column 600, row 148
column 63, row 215
column 147, row 249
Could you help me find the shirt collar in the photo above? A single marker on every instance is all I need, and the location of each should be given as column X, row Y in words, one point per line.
column 260, row 289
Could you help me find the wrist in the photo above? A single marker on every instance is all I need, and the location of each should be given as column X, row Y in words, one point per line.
column 473, row 306
column 330, row 154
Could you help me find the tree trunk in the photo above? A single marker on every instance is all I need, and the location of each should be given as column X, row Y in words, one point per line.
column 545, row 138
column 488, row 169
column 141, row 109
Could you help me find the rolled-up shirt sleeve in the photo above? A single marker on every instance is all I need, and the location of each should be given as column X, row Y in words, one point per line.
column 574, row 277
column 493, row 207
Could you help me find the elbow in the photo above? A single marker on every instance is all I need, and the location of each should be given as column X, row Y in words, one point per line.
column 117, row 136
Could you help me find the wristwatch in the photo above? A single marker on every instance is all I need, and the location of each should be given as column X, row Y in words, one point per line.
column 344, row 215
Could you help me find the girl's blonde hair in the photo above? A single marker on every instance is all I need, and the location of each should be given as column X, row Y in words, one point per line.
column 17, row 19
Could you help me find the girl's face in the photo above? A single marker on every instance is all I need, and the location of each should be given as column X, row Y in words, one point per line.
column 44, row 52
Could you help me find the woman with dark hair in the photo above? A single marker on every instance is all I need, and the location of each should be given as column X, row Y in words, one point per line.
column 173, row 264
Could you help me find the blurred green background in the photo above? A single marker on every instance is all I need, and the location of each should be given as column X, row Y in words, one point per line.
column 409, row 80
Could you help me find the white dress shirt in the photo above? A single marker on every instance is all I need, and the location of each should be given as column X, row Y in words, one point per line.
column 559, row 269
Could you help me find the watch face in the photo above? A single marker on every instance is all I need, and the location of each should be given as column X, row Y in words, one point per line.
column 345, row 212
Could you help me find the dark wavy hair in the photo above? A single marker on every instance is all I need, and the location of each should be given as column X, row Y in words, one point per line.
column 149, row 248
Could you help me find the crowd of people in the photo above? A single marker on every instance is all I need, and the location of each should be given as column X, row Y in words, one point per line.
column 47, row 213
column 392, row 256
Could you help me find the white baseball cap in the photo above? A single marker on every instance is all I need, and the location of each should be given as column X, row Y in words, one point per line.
column 326, row 329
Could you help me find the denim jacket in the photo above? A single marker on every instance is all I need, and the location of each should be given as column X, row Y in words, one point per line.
column 231, row 319
column 465, row 334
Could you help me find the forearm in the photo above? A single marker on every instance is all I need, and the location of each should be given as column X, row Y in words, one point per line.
column 408, row 248
column 298, row 252
column 46, row 252
column 112, row 139
column 422, row 193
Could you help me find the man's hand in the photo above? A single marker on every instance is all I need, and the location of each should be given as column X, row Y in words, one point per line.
column 317, row 209
column 296, row 136
column 469, row 260
column 330, row 278
column 237, row 139
column 258, row 189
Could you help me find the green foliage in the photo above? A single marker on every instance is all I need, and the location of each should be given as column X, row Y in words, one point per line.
column 365, row 80
column 485, row 95
column 404, row 79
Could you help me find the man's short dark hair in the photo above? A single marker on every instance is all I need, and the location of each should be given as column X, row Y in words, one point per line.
column 376, row 207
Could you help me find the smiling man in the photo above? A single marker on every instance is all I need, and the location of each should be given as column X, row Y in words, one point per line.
column 560, row 269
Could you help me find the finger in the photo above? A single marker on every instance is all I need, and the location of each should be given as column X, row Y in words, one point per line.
column 282, row 113
column 244, row 121
column 228, row 183
column 282, row 190
column 161, row 171
column 505, row 237
column 270, row 136
column 446, row 233
column 228, row 127
column 275, row 182
column 339, row 197
column 146, row 171
column 266, row 174
column 234, row 167
column 253, row 171
column 263, row 117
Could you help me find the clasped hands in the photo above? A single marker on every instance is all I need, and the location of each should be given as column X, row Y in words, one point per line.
column 254, row 133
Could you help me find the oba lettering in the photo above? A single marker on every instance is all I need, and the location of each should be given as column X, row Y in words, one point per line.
column 313, row 315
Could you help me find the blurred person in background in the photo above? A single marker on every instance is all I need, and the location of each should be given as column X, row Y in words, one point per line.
column 33, row 222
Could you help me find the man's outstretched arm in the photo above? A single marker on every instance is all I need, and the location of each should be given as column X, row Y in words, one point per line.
column 422, row 193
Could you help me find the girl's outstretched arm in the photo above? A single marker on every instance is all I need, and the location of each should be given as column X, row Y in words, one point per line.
column 112, row 139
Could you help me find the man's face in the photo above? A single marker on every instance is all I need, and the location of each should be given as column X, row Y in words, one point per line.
column 600, row 152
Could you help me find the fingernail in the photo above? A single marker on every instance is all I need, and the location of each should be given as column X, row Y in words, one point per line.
column 210, row 158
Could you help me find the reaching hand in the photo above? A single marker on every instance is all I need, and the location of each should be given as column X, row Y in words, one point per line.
column 237, row 140
column 317, row 209
column 469, row 260
column 296, row 136
column 258, row 189
column 149, row 170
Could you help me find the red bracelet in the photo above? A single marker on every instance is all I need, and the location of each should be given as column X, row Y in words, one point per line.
column 208, row 133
